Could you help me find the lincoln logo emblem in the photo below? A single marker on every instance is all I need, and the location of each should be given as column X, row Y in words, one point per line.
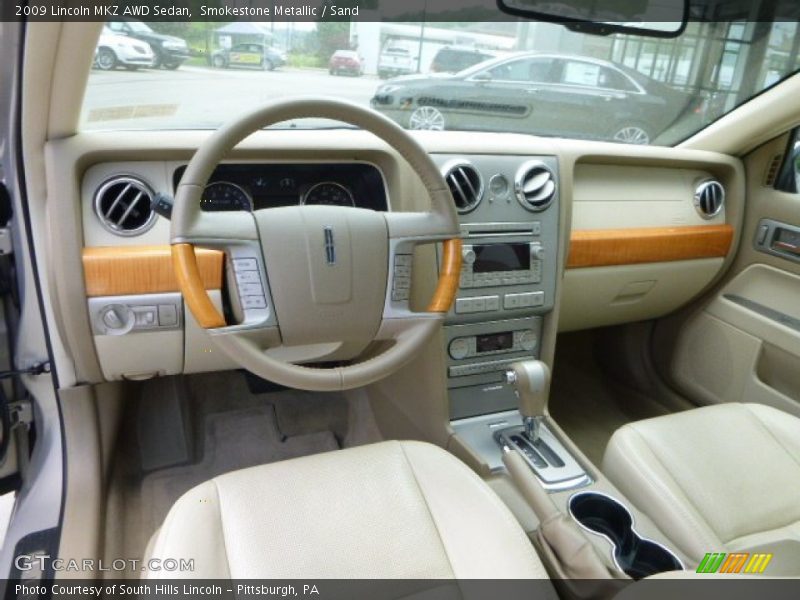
column 330, row 247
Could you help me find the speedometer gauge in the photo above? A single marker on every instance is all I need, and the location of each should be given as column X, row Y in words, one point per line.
column 329, row 193
column 225, row 196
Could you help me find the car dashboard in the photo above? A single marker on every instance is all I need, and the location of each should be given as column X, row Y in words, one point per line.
column 558, row 235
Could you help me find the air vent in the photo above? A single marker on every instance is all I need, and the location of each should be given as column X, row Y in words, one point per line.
column 772, row 171
column 709, row 198
column 123, row 206
column 535, row 186
column 466, row 185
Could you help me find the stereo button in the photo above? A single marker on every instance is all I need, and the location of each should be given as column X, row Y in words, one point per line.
column 459, row 348
column 492, row 303
column 527, row 340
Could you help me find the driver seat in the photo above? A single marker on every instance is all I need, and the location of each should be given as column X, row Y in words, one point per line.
column 388, row 510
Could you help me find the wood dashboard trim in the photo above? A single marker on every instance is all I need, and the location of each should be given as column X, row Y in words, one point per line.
column 128, row 270
column 607, row 247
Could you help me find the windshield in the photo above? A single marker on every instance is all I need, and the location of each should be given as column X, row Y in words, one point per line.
column 541, row 79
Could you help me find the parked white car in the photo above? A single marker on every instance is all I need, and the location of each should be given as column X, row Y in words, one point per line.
column 118, row 50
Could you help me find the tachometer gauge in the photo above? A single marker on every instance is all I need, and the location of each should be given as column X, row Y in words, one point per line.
column 225, row 196
column 329, row 193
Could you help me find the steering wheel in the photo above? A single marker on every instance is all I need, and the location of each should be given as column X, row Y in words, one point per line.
column 315, row 275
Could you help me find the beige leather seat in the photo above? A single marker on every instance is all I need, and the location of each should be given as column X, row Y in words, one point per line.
column 389, row 510
column 718, row 478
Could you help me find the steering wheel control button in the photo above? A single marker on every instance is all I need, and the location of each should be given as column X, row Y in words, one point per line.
column 401, row 271
column 251, row 289
column 402, row 260
column 249, row 302
column 247, row 277
column 245, row 264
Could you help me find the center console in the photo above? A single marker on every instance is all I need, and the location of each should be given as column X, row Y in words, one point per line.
column 498, row 389
column 509, row 213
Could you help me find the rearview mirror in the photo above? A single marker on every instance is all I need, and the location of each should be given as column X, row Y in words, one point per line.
column 655, row 18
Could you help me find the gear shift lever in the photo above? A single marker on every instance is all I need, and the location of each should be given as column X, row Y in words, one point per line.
column 531, row 381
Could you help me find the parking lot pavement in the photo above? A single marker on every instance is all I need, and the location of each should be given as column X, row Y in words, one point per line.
column 203, row 96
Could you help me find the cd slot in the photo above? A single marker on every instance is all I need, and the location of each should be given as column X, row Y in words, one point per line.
column 502, row 229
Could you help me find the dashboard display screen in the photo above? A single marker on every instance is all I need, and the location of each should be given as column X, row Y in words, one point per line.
column 490, row 258
column 494, row 341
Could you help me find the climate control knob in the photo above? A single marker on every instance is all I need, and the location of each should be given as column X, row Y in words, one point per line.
column 528, row 340
column 459, row 348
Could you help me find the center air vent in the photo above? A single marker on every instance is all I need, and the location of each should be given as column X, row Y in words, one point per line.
column 123, row 206
column 466, row 185
column 709, row 198
column 535, row 186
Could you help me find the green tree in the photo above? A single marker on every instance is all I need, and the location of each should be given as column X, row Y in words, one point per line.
column 332, row 36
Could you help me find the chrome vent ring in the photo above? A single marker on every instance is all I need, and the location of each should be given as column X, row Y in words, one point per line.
column 466, row 185
column 535, row 186
column 709, row 198
column 123, row 205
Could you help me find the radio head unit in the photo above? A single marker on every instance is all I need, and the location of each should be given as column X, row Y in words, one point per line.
column 501, row 263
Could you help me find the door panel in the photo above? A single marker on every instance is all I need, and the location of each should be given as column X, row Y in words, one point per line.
column 743, row 343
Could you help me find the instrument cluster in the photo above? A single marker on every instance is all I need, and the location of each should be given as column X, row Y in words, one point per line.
column 253, row 186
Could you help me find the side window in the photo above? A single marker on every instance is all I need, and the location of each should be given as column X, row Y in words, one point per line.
column 581, row 73
column 541, row 70
column 538, row 70
column 515, row 70
column 614, row 80
column 788, row 179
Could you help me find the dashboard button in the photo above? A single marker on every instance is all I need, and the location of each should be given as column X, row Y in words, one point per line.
column 399, row 295
column 248, row 277
column 459, row 348
column 245, row 264
column 511, row 301
column 167, row 315
column 253, row 302
column 251, row 289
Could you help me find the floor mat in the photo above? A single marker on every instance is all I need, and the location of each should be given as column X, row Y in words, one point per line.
column 588, row 404
column 233, row 440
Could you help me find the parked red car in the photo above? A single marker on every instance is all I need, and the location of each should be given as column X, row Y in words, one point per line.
column 346, row 61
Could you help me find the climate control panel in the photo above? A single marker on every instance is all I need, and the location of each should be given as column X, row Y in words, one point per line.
column 487, row 344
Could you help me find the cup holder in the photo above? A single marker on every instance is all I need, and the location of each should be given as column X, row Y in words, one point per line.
column 633, row 554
